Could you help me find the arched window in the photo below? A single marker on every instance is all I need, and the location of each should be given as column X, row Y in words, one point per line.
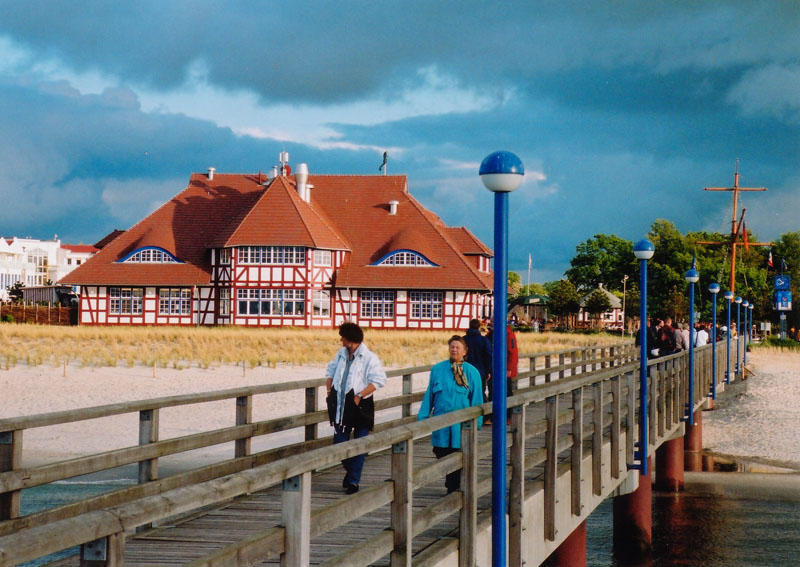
column 150, row 255
column 404, row 258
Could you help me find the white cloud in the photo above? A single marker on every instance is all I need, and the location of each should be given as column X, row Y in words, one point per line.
column 769, row 91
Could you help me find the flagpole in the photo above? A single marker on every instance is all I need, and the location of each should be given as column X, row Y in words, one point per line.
column 530, row 262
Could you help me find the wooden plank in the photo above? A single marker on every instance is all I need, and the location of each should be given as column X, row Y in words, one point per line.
column 616, row 425
column 576, row 452
column 296, row 519
column 402, row 500
column 148, row 433
column 10, row 459
column 244, row 416
column 516, row 491
column 311, row 407
column 408, row 388
column 597, row 438
column 468, row 522
column 551, row 462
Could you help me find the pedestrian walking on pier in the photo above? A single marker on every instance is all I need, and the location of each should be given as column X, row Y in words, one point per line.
column 454, row 384
column 352, row 377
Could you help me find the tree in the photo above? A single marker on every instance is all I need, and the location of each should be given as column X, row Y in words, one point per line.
column 603, row 259
column 514, row 283
column 596, row 304
column 15, row 292
column 563, row 299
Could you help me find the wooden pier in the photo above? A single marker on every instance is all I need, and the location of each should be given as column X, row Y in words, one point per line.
column 571, row 436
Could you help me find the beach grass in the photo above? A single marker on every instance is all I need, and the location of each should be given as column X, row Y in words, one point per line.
column 185, row 347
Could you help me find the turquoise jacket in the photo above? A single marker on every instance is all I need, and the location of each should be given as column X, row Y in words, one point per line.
column 444, row 395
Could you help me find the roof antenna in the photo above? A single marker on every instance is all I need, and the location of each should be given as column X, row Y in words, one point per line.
column 283, row 158
column 382, row 166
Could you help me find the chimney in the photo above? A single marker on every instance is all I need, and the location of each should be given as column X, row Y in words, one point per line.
column 393, row 207
column 273, row 174
column 211, row 171
column 301, row 177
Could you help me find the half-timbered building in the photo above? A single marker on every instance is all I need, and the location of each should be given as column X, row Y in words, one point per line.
column 289, row 250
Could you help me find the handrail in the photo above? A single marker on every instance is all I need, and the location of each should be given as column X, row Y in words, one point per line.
column 154, row 507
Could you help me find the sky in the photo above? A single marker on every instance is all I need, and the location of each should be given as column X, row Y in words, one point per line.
column 620, row 111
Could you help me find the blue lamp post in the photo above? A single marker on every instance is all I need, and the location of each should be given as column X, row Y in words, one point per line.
column 750, row 324
column 691, row 276
column 738, row 301
column 643, row 250
column 714, row 289
column 746, row 305
column 501, row 172
column 729, row 298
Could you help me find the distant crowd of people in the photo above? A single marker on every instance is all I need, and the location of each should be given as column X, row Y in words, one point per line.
column 664, row 337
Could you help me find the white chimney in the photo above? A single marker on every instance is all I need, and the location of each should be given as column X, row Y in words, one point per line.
column 273, row 174
column 211, row 171
column 393, row 207
column 301, row 177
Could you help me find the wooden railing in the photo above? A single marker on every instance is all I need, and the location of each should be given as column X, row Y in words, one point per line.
column 593, row 390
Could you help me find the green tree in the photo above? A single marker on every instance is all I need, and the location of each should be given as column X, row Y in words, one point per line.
column 514, row 283
column 595, row 304
column 563, row 300
column 15, row 292
column 603, row 259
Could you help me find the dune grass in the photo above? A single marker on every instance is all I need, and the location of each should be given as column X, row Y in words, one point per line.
column 184, row 347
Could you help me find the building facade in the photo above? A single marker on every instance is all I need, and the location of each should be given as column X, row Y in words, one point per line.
column 289, row 250
column 34, row 262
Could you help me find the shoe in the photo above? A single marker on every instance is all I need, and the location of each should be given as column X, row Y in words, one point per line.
column 351, row 489
column 345, row 482
column 487, row 420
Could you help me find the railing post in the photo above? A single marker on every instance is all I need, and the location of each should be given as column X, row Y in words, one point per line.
column 148, row 433
column 616, row 425
column 576, row 453
column 407, row 390
column 311, row 407
column 561, row 359
column 296, row 518
column 631, row 423
column 103, row 552
column 532, row 370
column 244, row 415
column 597, row 438
column 550, row 467
column 468, row 524
column 547, row 365
column 516, row 490
column 402, row 480
column 10, row 458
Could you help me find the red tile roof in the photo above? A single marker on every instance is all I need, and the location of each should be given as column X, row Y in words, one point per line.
column 108, row 238
column 80, row 248
column 346, row 212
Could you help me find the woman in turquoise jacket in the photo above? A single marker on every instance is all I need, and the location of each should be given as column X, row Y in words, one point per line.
column 453, row 385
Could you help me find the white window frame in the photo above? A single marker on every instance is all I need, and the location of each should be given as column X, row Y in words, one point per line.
column 174, row 301
column 426, row 305
column 272, row 302
column 272, row 255
column 224, row 301
column 323, row 258
column 125, row 300
column 377, row 304
column 321, row 303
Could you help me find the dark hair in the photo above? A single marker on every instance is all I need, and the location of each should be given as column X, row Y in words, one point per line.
column 351, row 332
column 474, row 324
column 458, row 338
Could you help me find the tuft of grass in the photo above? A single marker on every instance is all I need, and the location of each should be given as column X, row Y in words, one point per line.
column 204, row 347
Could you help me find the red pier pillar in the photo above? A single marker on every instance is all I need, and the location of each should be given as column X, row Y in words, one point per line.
column 669, row 466
column 693, row 444
column 572, row 551
column 633, row 520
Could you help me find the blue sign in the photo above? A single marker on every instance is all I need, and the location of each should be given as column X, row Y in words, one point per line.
column 782, row 282
column 783, row 300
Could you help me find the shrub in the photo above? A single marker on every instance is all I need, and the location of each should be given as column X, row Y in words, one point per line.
column 7, row 318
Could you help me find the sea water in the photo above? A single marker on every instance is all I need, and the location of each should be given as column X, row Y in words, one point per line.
column 701, row 528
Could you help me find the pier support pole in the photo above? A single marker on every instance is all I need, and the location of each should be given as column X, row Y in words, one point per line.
column 633, row 521
column 669, row 466
column 572, row 551
column 693, row 444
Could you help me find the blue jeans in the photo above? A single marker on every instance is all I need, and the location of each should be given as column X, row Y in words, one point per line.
column 353, row 465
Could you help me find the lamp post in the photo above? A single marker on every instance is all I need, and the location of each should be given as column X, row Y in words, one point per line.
column 750, row 325
column 501, row 172
column 624, row 285
column 691, row 276
column 714, row 289
column 729, row 298
column 643, row 250
column 746, row 305
column 738, row 301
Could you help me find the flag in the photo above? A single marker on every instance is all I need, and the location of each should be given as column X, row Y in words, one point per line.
column 530, row 261
column 769, row 260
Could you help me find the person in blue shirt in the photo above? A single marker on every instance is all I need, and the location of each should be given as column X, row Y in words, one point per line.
column 453, row 385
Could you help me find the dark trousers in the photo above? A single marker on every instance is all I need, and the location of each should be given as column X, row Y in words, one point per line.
column 453, row 480
column 353, row 465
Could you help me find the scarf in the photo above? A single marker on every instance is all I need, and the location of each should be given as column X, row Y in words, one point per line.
column 458, row 373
